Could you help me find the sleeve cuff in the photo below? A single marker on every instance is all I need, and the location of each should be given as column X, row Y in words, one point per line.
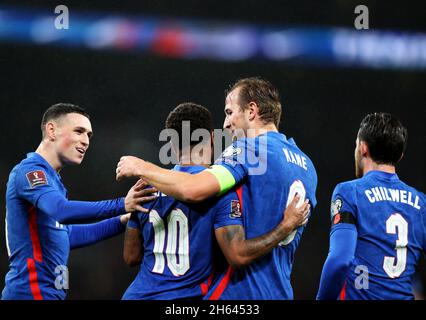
column 121, row 206
column 120, row 226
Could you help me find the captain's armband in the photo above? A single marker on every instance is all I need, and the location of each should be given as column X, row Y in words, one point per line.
column 224, row 177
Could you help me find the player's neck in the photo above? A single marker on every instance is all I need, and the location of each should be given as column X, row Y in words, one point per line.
column 45, row 151
column 188, row 159
column 259, row 129
column 371, row 165
column 185, row 164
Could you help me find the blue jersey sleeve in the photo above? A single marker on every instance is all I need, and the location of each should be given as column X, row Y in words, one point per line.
column 32, row 182
column 46, row 197
column 134, row 221
column 227, row 211
column 234, row 159
column 343, row 200
column 81, row 235
column 343, row 239
column 66, row 211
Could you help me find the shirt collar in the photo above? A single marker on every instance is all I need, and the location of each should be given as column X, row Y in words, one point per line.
column 39, row 158
column 382, row 174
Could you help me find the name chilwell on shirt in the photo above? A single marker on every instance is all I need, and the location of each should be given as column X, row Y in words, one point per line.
column 377, row 194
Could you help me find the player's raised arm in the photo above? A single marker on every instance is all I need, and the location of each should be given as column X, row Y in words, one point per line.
column 180, row 185
column 65, row 211
column 82, row 235
column 240, row 251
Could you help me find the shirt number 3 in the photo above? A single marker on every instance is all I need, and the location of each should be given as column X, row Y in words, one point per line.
column 396, row 224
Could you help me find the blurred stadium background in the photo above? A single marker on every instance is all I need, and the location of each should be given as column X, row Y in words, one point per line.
column 128, row 63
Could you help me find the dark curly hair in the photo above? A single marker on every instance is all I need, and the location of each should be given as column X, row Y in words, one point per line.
column 197, row 116
column 385, row 136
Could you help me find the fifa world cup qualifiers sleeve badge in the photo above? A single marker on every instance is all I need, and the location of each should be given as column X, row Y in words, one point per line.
column 36, row 178
column 235, row 209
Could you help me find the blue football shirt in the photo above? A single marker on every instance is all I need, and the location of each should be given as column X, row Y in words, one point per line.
column 38, row 245
column 268, row 170
column 389, row 217
column 178, row 245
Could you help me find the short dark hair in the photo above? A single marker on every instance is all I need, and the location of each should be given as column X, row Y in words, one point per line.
column 198, row 116
column 58, row 110
column 385, row 136
column 263, row 93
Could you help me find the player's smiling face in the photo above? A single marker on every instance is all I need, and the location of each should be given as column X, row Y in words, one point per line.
column 73, row 135
column 235, row 117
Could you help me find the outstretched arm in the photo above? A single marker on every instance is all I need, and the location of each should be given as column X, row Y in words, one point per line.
column 240, row 251
column 67, row 211
column 179, row 185
column 82, row 235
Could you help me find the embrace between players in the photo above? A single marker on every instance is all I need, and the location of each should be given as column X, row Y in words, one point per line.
column 224, row 230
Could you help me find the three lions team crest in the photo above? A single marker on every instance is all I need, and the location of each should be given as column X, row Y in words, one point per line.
column 336, row 205
column 36, row 178
column 231, row 152
column 338, row 216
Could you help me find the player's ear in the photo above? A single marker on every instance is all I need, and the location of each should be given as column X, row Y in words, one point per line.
column 50, row 129
column 253, row 110
column 363, row 148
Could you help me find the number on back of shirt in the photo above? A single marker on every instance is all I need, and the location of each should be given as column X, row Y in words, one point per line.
column 296, row 187
column 177, row 248
column 396, row 224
